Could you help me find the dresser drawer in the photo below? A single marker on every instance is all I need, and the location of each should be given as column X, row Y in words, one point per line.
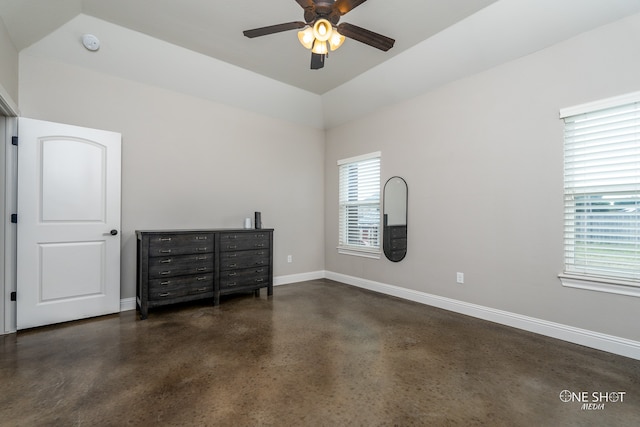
column 246, row 277
column 180, row 265
column 244, row 259
column 180, row 244
column 169, row 283
column 179, row 289
column 243, row 241
column 181, row 260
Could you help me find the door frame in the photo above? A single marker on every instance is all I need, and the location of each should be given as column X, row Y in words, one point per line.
column 8, row 204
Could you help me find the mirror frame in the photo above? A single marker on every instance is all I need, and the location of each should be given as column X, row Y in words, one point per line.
column 394, row 240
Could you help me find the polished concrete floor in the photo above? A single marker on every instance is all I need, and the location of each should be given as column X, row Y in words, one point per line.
column 317, row 353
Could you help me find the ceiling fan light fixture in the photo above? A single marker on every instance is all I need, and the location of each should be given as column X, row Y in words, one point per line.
column 336, row 40
column 320, row 47
column 306, row 37
column 322, row 30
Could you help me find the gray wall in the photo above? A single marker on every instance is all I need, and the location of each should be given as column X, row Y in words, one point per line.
column 190, row 163
column 8, row 66
column 483, row 161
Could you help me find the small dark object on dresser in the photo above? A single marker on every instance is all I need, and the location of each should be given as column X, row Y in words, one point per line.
column 258, row 220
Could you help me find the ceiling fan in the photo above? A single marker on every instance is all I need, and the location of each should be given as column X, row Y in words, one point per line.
column 321, row 30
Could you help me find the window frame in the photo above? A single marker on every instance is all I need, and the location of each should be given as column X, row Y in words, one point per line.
column 585, row 280
column 344, row 247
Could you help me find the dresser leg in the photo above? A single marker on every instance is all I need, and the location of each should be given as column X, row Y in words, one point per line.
column 216, row 298
column 270, row 290
column 139, row 307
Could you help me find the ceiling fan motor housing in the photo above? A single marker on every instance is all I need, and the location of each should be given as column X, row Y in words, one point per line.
column 322, row 9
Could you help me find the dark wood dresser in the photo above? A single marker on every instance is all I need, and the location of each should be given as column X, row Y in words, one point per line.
column 183, row 265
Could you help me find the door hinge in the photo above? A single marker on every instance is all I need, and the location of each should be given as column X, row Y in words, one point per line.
column 14, row 140
column 14, row 296
column 14, row 218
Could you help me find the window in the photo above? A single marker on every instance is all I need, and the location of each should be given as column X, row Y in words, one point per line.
column 602, row 196
column 359, row 205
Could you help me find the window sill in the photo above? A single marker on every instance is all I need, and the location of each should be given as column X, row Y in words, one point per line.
column 375, row 254
column 611, row 286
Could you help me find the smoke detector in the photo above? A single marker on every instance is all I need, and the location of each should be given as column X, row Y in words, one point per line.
column 91, row 42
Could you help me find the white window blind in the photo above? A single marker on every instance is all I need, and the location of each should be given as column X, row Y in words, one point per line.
column 602, row 192
column 359, row 205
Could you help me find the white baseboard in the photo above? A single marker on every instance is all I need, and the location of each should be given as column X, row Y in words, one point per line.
column 301, row 277
column 609, row 343
column 127, row 304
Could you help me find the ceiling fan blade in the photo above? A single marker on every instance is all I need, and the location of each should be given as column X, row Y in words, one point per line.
column 365, row 36
column 317, row 61
column 305, row 3
column 344, row 6
column 257, row 32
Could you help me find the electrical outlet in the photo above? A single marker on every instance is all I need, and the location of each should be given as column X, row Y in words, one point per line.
column 289, row 258
column 459, row 277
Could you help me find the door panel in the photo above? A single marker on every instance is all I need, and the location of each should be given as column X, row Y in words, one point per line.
column 77, row 264
column 71, row 187
column 68, row 263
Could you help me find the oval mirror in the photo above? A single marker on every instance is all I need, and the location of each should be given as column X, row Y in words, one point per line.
column 394, row 225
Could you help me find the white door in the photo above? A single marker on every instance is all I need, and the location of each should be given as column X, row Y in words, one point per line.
column 68, row 257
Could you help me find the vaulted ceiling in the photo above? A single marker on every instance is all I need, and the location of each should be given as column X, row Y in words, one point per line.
column 214, row 28
column 436, row 40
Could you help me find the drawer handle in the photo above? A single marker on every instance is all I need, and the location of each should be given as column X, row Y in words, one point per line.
column 201, row 289
column 165, row 283
column 260, row 270
column 201, row 249
column 259, row 280
column 201, row 278
column 201, row 237
column 229, row 236
column 259, row 262
column 233, row 265
column 201, row 269
column 259, row 236
column 261, row 253
column 201, row 258
column 165, row 273
column 232, row 255
column 233, row 284
column 166, row 294
column 233, row 274
column 232, row 247
column 259, row 245
column 165, row 261
column 165, row 251
column 164, row 239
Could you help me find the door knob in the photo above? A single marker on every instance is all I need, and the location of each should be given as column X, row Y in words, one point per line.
column 114, row 232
